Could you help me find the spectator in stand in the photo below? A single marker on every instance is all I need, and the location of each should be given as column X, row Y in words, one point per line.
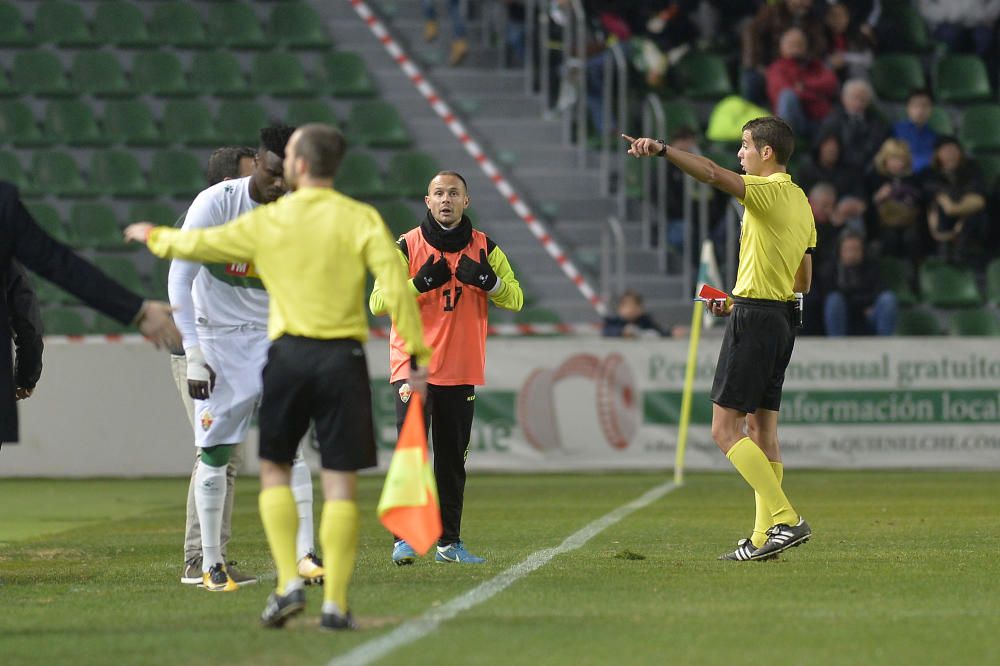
column 761, row 36
column 857, row 303
column 956, row 202
column 826, row 164
column 896, row 212
column 515, row 36
column 632, row 321
column 915, row 131
column 459, row 44
column 963, row 25
column 667, row 32
column 850, row 48
column 822, row 200
column 858, row 124
column 683, row 138
column 801, row 89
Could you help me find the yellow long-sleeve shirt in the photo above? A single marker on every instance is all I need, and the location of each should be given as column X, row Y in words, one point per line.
column 311, row 249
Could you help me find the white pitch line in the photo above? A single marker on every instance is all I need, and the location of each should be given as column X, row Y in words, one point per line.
column 427, row 623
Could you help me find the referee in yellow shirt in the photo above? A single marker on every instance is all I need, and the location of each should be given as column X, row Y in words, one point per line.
column 311, row 249
column 776, row 243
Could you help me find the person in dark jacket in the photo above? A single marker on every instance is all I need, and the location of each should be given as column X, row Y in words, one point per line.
column 857, row 303
column 22, row 239
column 26, row 331
column 632, row 320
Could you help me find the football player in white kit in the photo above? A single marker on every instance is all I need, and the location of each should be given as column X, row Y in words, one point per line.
column 221, row 311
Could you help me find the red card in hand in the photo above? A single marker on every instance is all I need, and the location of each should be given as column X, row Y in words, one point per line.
column 710, row 293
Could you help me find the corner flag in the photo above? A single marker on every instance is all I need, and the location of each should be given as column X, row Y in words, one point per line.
column 409, row 504
column 708, row 274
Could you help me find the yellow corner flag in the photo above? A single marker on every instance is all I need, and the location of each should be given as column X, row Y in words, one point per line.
column 409, row 504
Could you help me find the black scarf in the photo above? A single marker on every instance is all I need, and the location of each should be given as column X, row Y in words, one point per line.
column 455, row 239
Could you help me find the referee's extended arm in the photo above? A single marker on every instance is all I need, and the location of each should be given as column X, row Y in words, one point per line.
column 698, row 167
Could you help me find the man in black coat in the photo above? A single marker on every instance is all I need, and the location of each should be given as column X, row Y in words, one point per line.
column 23, row 240
column 26, row 331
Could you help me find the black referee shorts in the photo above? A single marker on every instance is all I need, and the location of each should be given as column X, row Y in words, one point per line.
column 756, row 349
column 325, row 381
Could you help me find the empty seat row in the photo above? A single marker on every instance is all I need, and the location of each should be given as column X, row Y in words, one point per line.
column 188, row 122
column 957, row 77
column 178, row 24
column 111, row 172
column 160, row 73
column 95, row 226
column 941, row 284
column 407, row 176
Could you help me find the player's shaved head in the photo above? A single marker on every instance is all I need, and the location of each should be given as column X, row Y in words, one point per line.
column 453, row 174
column 321, row 147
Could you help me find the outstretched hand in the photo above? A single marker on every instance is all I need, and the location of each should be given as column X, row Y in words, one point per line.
column 643, row 147
column 138, row 232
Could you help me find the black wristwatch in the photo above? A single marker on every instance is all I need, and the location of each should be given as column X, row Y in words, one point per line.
column 662, row 153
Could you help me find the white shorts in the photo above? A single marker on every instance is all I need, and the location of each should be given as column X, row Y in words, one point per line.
column 237, row 356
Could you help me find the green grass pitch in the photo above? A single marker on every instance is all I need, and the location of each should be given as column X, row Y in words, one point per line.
column 904, row 567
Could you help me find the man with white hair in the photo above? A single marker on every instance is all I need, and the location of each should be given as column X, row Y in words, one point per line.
column 858, row 125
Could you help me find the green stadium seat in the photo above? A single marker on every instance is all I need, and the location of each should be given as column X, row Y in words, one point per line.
column 178, row 24
column 980, row 128
column 39, row 73
column 12, row 30
column 297, row 26
column 359, row 177
column 95, row 227
column 909, row 30
column 159, row 73
column 99, row 73
column 280, row 74
column 399, row 217
column 189, row 121
column 63, row 321
column 680, row 114
column 940, row 121
column 160, row 214
column 11, row 171
column 345, row 75
column 897, row 275
column 117, row 173
column 161, row 271
column 993, row 282
column 177, row 173
column 916, row 321
column 49, row 219
column 63, row 24
column 239, row 122
column 537, row 315
column 71, row 121
column 409, row 173
column 234, row 25
column 895, row 75
column 218, row 73
column 50, row 295
column 122, row 270
column 989, row 166
column 105, row 325
column 19, row 127
column 947, row 286
column 974, row 322
column 302, row 111
column 56, row 172
column 704, row 76
column 129, row 121
column 377, row 123
column 961, row 78
column 121, row 24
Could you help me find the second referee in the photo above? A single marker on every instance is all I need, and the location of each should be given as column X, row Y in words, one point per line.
column 312, row 249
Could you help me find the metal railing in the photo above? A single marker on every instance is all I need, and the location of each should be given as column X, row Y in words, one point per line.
column 654, row 124
column 612, row 277
column 615, row 94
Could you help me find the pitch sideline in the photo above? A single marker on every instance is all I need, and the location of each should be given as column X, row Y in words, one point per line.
column 422, row 626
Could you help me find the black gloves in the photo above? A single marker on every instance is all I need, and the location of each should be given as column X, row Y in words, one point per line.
column 432, row 275
column 478, row 274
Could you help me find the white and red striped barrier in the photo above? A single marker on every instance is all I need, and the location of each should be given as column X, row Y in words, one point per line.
column 443, row 110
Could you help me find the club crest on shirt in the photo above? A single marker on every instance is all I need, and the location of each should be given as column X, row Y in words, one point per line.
column 405, row 392
column 207, row 420
column 241, row 270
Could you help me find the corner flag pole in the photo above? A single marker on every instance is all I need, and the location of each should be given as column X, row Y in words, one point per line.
column 692, row 362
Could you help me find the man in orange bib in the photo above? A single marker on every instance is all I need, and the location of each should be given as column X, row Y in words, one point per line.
column 455, row 271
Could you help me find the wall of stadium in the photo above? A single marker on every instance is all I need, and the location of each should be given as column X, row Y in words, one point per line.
column 555, row 404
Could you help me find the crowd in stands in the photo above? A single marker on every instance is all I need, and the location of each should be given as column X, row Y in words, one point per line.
column 882, row 181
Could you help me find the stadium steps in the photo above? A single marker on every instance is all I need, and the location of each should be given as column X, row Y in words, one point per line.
column 512, row 128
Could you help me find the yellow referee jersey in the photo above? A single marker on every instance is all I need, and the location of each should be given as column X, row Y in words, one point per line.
column 778, row 229
column 311, row 250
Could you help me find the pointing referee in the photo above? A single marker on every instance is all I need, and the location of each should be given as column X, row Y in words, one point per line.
column 776, row 242
column 312, row 249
